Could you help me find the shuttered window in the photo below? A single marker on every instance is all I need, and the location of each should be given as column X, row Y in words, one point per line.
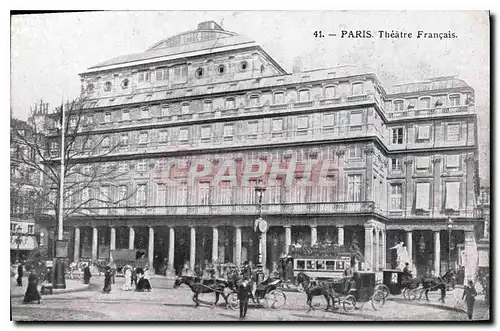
column 422, row 196
column 453, row 195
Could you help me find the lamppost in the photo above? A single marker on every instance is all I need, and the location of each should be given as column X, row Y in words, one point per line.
column 450, row 227
column 18, row 239
column 260, row 226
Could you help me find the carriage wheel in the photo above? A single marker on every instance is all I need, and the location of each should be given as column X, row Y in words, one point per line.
column 234, row 303
column 384, row 289
column 378, row 300
column 349, row 303
column 276, row 299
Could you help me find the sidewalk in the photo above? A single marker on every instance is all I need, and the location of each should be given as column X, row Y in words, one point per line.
column 71, row 286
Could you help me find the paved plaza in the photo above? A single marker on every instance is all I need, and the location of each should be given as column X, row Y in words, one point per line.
column 166, row 304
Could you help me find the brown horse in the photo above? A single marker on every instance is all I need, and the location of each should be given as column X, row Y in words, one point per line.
column 199, row 285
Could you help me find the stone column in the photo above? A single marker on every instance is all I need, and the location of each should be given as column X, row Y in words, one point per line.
column 112, row 242
column 215, row 244
column 94, row 244
column 192, row 249
column 437, row 253
column 151, row 246
column 384, row 249
column 471, row 256
column 368, row 248
column 237, row 257
column 171, row 248
column 314, row 235
column 376, row 250
column 288, row 237
column 340, row 235
column 409, row 247
column 76, row 255
column 131, row 238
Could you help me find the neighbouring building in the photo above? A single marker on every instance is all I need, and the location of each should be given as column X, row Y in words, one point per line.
column 394, row 164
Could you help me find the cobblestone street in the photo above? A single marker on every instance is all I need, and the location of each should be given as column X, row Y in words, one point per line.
column 176, row 304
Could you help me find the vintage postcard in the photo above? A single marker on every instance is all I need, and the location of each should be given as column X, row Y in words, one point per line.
column 250, row 166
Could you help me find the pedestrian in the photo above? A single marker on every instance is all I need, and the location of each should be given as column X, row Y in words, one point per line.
column 20, row 275
column 127, row 271
column 243, row 292
column 133, row 278
column 107, row 280
column 32, row 293
column 470, row 297
column 86, row 274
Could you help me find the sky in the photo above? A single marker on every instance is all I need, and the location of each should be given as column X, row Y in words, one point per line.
column 48, row 51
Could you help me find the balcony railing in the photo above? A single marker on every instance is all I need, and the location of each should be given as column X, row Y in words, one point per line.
column 240, row 209
column 453, row 110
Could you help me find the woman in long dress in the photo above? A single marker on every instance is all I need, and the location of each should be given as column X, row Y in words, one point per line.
column 86, row 274
column 107, row 280
column 128, row 278
column 32, row 293
column 143, row 283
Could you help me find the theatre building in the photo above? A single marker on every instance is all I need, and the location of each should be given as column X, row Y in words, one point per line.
column 379, row 164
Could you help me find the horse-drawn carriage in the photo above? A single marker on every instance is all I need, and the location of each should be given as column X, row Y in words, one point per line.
column 129, row 257
column 268, row 290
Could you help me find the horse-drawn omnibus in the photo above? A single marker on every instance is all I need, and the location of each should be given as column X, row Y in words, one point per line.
column 320, row 262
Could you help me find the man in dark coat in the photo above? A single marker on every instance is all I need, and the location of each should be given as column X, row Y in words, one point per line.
column 133, row 278
column 86, row 274
column 107, row 280
column 407, row 272
column 470, row 297
column 20, row 275
column 243, row 294
column 32, row 293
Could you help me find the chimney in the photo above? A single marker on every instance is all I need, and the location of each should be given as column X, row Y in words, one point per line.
column 297, row 65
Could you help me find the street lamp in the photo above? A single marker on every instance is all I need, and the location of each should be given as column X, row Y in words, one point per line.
column 450, row 227
column 260, row 225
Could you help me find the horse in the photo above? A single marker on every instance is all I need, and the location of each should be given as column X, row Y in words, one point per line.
column 435, row 283
column 313, row 290
column 199, row 285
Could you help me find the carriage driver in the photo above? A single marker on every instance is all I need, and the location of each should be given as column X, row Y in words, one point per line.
column 407, row 271
column 249, row 273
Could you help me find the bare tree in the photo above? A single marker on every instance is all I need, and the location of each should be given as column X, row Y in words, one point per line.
column 85, row 170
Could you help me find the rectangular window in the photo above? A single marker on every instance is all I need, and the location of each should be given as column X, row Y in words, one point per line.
column 396, row 196
column 302, row 125
column 453, row 195
column 204, row 193
column 277, row 125
column 425, row 103
column 141, row 166
column 126, row 116
column 396, row 164
column 123, row 167
column 423, row 162
column 330, row 92
column 252, row 130
column 206, row 132
column 143, row 138
column 141, row 194
column 455, row 100
column 161, row 74
column 422, row 196
column 304, row 95
column 398, row 105
column 180, row 74
column 207, row 106
column 254, row 101
column 354, row 187
column 328, row 120
column 163, row 136
column 424, row 132
column 357, row 88
column 354, row 152
column 124, row 140
column 228, row 132
column 181, row 197
column 144, row 76
column 165, row 111
column 185, row 108
column 279, row 98
column 161, row 196
column 356, row 118
column 226, row 193
column 452, row 161
column 183, row 135
column 230, row 103
column 397, row 136
column 107, row 118
column 453, row 132
column 145, row 113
